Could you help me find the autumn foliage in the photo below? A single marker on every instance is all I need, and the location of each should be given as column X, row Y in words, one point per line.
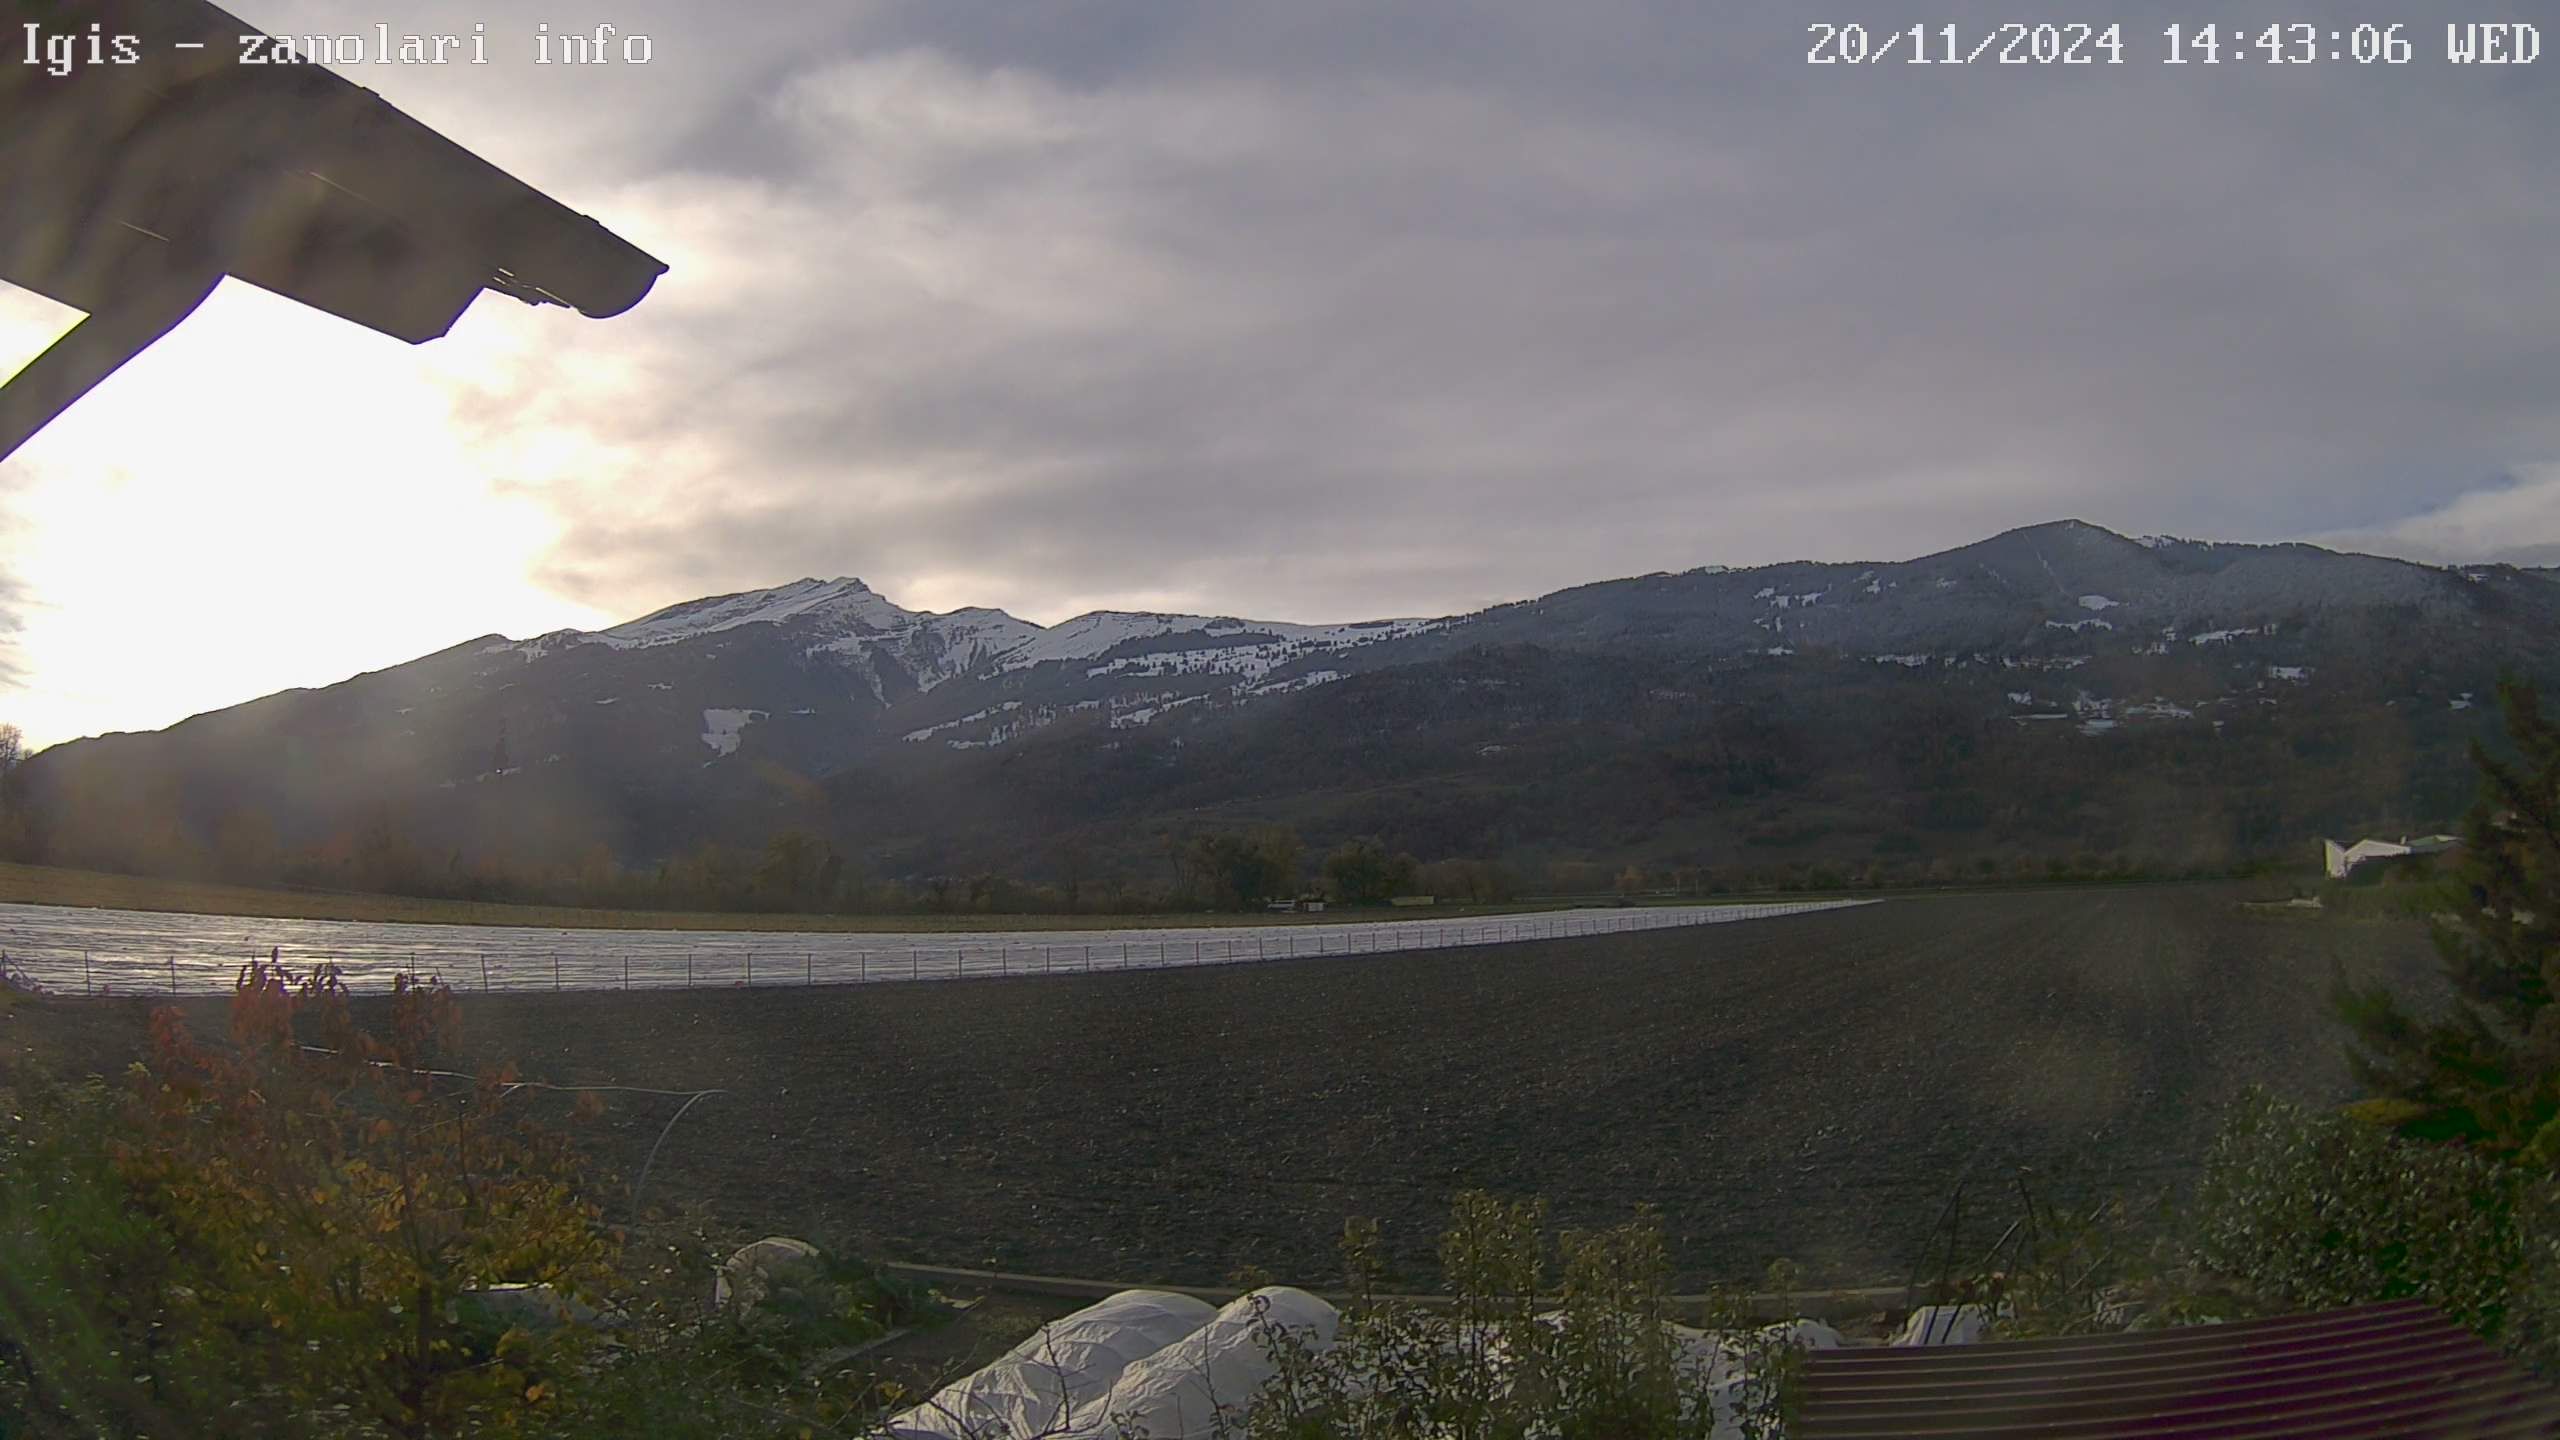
column 331, row 1191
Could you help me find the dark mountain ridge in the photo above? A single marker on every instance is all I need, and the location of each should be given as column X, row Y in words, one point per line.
column 2053, row 687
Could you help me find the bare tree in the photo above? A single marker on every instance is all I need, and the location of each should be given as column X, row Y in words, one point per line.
column 16, row 829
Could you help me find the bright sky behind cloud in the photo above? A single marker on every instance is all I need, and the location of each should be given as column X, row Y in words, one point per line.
column 1315, row 310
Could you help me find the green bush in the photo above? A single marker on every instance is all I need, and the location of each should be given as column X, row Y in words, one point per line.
column 1583, row 1353
column 680, row 1372
column 92, row 1335
column 2322, row 1210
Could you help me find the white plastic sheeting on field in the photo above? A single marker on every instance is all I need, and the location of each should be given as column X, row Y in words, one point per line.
column 1945, row 1325
column 1723, row 1363
column 747, row 1274
column 1182, row 1391
column 81, row 951
column 1148, row 1363
column 1055, row 1382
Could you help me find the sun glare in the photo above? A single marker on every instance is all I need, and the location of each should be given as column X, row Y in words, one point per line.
column 299, row 474
column 28, row 324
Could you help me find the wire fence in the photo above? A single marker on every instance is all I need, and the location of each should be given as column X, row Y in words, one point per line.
column 96, row 954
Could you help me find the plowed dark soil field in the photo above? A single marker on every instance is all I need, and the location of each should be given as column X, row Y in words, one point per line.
column 1808, row 1087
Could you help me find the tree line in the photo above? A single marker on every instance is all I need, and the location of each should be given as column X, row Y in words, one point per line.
column 801, row 868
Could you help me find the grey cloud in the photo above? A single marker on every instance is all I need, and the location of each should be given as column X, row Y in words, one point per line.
column 2514, row 519
column 1329, row 310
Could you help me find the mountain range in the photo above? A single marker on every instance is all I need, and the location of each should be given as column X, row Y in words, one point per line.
column 2053, row 688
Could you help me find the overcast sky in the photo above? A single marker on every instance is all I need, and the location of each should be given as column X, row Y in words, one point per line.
column 1318, row 310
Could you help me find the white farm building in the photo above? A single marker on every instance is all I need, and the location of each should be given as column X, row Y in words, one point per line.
column 2341, row 860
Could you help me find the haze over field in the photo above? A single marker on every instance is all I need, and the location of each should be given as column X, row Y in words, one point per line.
column 1314, row 312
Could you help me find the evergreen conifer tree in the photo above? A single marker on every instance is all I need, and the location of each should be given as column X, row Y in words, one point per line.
column 2487, row 1071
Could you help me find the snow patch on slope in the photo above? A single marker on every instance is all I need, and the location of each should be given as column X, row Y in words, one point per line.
column 1294, row 682
column 972, row 718
column 722, row 729
column 936, row 648
column 1254, row 648
column 2225, row 637
column 1122, row 719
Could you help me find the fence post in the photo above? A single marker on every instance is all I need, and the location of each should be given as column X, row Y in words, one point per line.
column 809, row 968
column 85, row 986
column 484, row 972
column 688, row 969
column 555, row 970
column 626, row 969
column 751, row 969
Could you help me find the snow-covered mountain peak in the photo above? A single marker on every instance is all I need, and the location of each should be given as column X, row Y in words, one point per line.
column 845, row 621
column 844, row 600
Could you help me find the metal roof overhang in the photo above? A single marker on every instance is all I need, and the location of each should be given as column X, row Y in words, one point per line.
column 130, row 190
column 2396, row 1371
